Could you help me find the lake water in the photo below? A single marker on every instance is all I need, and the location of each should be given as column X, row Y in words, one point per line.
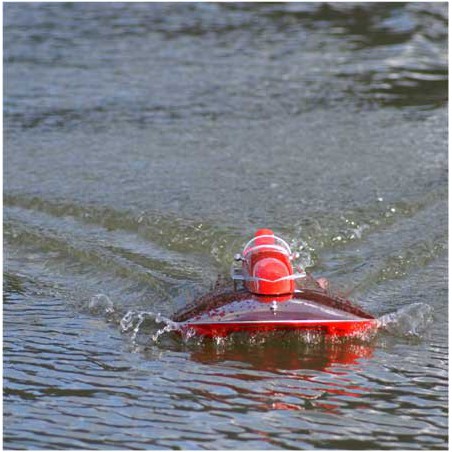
column 143, row 145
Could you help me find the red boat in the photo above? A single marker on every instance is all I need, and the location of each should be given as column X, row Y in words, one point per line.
column 267, row 295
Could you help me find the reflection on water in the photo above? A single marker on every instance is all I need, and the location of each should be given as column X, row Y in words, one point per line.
column 283, row 353
column 144, row 143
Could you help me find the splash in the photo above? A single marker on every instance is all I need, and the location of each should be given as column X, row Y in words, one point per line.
column 100, row 303
column 146, row 322
column 188, row 334
column 412, row 320
column 305, row 258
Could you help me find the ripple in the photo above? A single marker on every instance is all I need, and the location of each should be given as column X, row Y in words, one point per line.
column 150, row 141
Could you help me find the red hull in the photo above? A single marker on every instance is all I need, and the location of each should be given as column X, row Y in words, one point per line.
column 310, row 311
column 336, row 328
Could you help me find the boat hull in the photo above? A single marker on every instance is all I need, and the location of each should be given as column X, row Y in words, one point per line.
column 335, row 328
column 311, row 311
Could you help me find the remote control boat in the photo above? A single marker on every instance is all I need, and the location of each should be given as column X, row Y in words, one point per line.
column 268, row 294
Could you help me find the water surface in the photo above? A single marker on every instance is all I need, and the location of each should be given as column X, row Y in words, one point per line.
column 144, row 143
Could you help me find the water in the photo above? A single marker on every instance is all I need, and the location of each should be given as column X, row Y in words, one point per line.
column 143, row 145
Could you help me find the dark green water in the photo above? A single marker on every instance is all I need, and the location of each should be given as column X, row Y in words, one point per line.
column 144, row 143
